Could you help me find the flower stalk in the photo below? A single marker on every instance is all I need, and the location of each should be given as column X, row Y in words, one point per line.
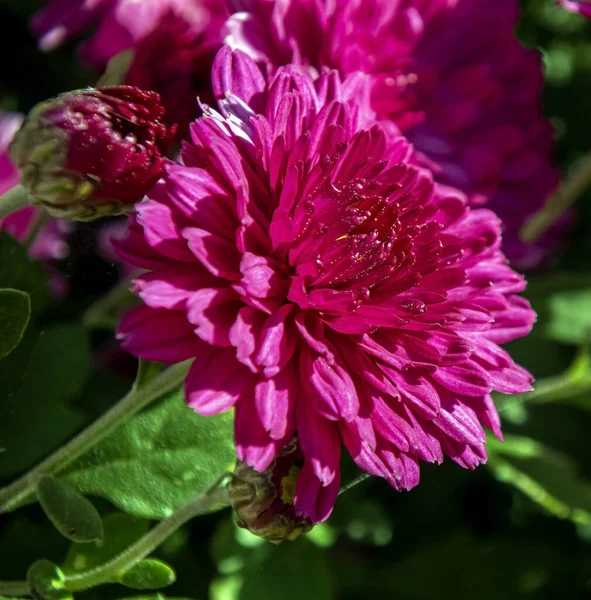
column 22, row 490
column 214, row 497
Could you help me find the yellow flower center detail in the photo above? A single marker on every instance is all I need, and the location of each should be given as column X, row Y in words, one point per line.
column 288, row 485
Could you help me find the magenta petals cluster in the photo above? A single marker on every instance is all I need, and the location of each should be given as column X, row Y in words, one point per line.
column 326, row 287
column 116, row 25
column 450, row 74
column 172, row 43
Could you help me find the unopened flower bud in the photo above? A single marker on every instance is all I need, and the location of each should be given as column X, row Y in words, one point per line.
column 263, row 502
column 92, row 152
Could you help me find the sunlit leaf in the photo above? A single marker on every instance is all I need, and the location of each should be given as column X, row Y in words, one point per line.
column 158, row 460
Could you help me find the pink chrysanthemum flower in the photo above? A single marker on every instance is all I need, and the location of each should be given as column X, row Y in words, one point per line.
column 173, row 44
column 118, row 24
column 50, row 241
column 449, row 73
column 323, row 286
column 582, row 7
column 175, row 60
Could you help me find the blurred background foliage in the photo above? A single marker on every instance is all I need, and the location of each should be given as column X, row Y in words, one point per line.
column 518, row 528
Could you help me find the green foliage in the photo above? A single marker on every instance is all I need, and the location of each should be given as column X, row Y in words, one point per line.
column 158, row 460
column 71, row 513
column 563, row 304
column 573, row 387
column 19, row 273
column 47, row 581
column 36, row 417
column 15, row 311
column 292, row 570
column 148, row 574
column 120, row 532
column 548, row 477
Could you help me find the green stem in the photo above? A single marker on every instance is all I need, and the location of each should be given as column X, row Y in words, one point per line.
column 111, row 570
column 214, row 498
column 15, row 198
column 570, row 189
column 20, row 492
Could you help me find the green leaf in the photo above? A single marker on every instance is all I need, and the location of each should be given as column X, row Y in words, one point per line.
column 35, row 417
column 19, row 273
column 47, row 581
column 548, row 477
column 291, row 571
column 71, row 513
column 158, row 460
column 15, row 312
column 570, row 316
column 120, row 532
column 148, row 574
column 563, row 304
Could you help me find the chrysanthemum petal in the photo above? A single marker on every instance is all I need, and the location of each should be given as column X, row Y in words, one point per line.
column 216, row 381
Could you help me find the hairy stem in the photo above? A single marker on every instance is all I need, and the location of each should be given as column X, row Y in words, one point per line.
column 14, row 199
column 110, row 571
column 214, row 498
column 21, row 491
column 359, row 479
